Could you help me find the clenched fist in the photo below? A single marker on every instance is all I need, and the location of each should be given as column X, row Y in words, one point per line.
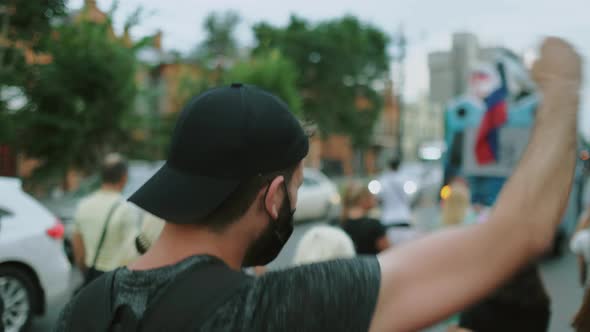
column 559, row 64
column 558, row 73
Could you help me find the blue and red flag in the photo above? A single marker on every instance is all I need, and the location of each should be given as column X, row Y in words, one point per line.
column 487, row 143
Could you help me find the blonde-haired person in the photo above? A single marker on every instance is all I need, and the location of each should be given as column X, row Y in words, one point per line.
column 368, row 234
column 323, row 243
column 150, row 229
column 455, row 211
column 456, row 208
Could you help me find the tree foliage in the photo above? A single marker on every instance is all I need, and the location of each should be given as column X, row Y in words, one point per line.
column 220, row 44
column 25, row 26
column 272, row 72
column 81, row 103
column 339, row 62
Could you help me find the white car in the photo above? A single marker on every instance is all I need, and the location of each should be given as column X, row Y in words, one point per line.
column 34, row 271
column 318, row 197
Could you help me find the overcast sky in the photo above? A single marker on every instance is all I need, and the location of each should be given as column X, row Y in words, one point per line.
column 428, row 24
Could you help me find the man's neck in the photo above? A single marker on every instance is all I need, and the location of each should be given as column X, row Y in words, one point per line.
column 178, row 242
column 111, row 187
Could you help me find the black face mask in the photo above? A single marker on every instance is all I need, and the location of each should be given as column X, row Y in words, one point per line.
column 273, row 238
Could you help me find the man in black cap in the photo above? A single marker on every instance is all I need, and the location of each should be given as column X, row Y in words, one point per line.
column 228, row 192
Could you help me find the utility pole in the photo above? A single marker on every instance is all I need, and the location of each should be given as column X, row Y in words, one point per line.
column 399, row 44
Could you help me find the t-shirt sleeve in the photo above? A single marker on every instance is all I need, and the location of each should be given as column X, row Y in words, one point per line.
column 337, row 295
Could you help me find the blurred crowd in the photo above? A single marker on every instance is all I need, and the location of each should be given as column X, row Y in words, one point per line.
column 111, row 232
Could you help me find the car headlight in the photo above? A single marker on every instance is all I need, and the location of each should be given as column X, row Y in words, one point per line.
column 375, row 187
column 410, row 187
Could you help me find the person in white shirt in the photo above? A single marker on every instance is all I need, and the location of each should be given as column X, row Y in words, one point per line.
column 105, row 225
column 322, row 243
column 395, row 204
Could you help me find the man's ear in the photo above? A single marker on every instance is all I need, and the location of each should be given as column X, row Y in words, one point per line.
column 274, row 197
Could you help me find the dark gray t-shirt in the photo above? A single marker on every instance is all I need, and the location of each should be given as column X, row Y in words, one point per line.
column 332, row 296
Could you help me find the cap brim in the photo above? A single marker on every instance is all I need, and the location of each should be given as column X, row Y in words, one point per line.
column 182, row 198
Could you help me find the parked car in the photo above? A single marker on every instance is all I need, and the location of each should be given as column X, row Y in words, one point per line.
column 318, row 197
column 34, row 271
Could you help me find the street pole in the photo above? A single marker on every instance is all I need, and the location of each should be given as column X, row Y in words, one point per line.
column 399, row 43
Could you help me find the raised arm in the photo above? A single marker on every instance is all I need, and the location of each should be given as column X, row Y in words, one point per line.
column 431, row 278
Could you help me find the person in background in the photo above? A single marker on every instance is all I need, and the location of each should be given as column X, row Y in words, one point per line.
column 395, row 205
column 521, row 304
column 150, row 228
column 456, row 208
column 368, row 234
column 456, row 211
column 580, row 245
column 105, row 225
column 323, row 243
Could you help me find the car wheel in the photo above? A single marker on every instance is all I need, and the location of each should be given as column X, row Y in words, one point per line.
column 17, row 290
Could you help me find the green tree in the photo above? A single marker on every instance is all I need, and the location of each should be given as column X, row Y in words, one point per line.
column 339, row 62
column 220, row 46
column 162, row 125
column 81, row 104
column 24, row 26
column 272, row 72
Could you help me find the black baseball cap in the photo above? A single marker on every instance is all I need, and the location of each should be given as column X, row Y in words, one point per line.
column 222, row 137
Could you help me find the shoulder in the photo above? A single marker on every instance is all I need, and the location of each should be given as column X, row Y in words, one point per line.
column 319, row 275
column 88, row 200
column 344, row 291
column 372, row 223
column 385, row 177
column 85, row 208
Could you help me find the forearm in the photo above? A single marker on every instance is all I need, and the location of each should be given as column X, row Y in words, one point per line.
column 436, row 276
column 429, row 279
column 536, row 195
column 455, row 268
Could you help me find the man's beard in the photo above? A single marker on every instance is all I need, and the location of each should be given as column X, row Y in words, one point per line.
column 272, row 240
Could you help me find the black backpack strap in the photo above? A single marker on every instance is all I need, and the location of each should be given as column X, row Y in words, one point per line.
column 92, row 309
column 104, row 232
column 191, row 299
